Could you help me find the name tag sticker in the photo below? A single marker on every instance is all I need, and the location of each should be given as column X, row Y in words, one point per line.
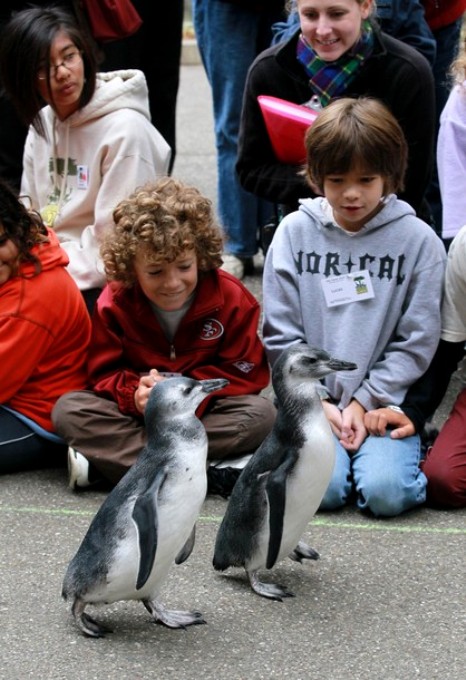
column 83, row 176
column 341, row 290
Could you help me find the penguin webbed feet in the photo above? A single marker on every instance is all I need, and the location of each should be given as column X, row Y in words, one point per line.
column 273, row 591
column 303, row 552
column 172, row 618
column 86, row 624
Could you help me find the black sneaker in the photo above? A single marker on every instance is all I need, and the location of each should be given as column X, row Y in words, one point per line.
column 221, row 481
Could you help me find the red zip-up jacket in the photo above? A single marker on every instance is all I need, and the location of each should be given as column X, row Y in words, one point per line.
column 217, row 338
column 44, row 334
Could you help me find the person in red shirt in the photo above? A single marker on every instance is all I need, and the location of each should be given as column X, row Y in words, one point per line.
column 44, row 334
column 167, row 309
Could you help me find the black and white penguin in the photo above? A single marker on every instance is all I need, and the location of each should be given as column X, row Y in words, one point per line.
column 283, row 484
column 148, row 519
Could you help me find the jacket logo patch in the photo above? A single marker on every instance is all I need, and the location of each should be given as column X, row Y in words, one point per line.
column 211, row 330
column 244, row 366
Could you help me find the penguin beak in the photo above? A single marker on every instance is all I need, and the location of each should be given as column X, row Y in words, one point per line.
column 214, row 384
column 337, row 365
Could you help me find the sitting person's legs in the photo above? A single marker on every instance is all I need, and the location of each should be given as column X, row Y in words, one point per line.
column 340, row 484
column 238, row 425
column 445, row 465
column 23, row 449
column 387, row 477
column 110, row 440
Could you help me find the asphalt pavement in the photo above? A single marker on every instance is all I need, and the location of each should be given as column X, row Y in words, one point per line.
column 386, row 601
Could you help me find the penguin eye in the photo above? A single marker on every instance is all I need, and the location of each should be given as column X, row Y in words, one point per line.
column 309, row 360
column 187, row 390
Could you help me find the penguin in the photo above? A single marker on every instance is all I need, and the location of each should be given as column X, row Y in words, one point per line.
column 284, row 482
column 148, row 520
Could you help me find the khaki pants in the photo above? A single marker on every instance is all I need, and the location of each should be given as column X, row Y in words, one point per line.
column 111, row 440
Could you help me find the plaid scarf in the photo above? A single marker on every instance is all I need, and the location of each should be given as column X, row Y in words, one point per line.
column 331, row 78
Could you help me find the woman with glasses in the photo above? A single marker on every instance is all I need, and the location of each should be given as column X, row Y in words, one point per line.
column 91, row 144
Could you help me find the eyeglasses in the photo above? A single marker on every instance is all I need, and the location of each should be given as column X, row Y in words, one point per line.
column 70, row 61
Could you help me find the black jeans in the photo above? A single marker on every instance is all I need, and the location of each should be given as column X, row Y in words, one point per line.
column 22, row 449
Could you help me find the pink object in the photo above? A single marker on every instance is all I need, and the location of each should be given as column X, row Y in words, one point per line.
column 286, row 125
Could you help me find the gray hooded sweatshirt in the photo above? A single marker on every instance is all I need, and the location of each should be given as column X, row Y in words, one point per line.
column 391, row 336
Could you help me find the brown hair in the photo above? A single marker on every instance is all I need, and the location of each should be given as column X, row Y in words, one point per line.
column 161, row 220
column 356, row 132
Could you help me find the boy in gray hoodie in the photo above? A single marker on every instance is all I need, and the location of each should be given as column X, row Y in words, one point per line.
column 356, row 273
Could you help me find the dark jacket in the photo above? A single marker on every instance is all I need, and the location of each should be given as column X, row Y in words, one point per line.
column 395, row 73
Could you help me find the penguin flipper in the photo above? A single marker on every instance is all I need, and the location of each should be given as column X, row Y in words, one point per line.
column 187, row 549
column 276, row 494
column 145, row 518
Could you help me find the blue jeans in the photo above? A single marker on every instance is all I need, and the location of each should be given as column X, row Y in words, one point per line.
column 385, row 473
column 229, row 37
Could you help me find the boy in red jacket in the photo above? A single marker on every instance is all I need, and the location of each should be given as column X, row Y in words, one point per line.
column 168, row 309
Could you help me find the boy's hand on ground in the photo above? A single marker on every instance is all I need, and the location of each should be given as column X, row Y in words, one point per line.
column 378, row 420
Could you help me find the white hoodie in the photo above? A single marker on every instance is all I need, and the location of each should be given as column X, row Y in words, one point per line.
column 88, row 163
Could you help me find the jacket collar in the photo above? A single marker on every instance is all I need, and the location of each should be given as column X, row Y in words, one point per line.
column 208, row 297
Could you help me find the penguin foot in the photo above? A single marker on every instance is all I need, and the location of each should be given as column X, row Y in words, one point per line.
column 85, row 623
column 172, row 618
column 303, row 552
column 271, row 590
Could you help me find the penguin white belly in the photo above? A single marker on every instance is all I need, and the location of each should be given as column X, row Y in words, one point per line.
column 308, row 482
column 178, row 507
column 305, row 488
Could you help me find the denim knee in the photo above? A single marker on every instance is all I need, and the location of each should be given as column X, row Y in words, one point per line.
column 389, row 497
column 340, row 484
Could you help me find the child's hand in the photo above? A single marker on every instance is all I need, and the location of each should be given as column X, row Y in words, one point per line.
column 146, row 383
column 353, row 431
column 379, row 419
column 333, row 414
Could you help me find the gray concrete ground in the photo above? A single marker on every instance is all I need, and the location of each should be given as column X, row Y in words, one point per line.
column 386, row 601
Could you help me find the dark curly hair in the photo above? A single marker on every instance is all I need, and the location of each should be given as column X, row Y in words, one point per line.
column 161, row 220
column 25, row 228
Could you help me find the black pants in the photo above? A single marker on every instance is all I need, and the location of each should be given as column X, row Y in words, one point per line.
column 156, row 50
column 22, row 449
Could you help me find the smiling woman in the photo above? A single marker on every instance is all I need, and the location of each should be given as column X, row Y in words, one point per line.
column 336, row 51
column 90, row 146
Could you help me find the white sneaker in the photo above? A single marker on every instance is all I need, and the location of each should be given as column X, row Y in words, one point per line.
column 78, row 470
column 233, row 265
column 239, row 463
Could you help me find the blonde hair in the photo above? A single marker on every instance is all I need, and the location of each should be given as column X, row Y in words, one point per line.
column 458, row 67
column 352, row 133
column 161, row 221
